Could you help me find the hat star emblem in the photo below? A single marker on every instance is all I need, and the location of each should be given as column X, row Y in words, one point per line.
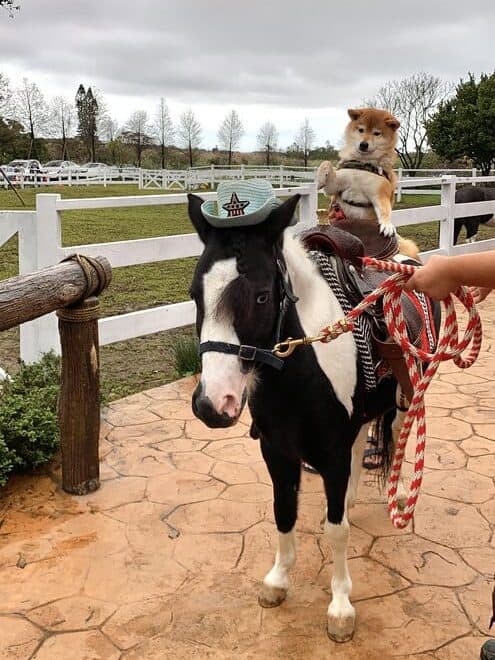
column 235, row 207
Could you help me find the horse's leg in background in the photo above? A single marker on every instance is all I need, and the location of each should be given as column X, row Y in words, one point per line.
column 458, row 224
column 285, row 478
column 341, row 614
column 472, row 226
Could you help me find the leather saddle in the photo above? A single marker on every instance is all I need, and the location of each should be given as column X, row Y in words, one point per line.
column 357, row 281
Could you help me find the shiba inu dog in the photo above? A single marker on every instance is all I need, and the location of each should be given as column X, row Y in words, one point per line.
column 364, row 183
column 363, row 186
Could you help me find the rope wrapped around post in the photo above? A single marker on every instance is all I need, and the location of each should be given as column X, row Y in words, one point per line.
column 79, row 402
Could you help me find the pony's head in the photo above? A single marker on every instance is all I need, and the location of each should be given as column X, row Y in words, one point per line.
column 237, row 290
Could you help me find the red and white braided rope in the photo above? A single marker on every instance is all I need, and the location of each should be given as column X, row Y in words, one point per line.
column 449, row 348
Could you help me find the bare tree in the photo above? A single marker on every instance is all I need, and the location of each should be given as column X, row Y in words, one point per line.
column 305, row 139
column 412, row 100
column 189, row 133
column 137, row 132
column 230, row 133
column 109, row 128
column 267, row 139
column 5, row 95
column 62, row 121
column 30, row 109
column 163, row 129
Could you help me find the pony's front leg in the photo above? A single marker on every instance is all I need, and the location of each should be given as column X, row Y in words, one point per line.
column 285, row 477
column 341, row 615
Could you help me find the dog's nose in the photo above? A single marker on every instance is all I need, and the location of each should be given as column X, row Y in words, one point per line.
column 363, row 146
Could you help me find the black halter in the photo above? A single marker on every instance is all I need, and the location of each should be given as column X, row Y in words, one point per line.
column 253, row 354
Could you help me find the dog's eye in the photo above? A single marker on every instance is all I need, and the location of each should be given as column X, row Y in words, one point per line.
column 361, row 130
column 377, row 133
column 262, row 298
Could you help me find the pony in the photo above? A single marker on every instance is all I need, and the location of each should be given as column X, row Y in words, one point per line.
column 253, row 285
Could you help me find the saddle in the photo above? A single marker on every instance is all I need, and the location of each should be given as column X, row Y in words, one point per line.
column 349, row 245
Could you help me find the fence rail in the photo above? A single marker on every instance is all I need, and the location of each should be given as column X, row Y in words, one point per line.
column 40, row 246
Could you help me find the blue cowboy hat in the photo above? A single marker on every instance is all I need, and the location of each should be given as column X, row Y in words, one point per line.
column 240, row 203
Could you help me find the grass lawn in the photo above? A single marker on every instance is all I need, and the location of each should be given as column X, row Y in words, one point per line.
column 144, row 362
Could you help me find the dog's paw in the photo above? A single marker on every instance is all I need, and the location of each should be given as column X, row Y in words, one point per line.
column 387, row 229
column 325, row 175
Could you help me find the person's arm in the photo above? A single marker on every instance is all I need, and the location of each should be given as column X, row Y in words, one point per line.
column 443, row 275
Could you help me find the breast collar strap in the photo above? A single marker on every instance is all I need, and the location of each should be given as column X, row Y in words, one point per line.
column 252, row 353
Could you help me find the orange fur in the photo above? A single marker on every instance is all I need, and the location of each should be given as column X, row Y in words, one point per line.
column 378, row 128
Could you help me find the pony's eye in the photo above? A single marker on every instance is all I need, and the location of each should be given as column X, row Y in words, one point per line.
column 377, row 133
column 361, row 130
column 262, row 298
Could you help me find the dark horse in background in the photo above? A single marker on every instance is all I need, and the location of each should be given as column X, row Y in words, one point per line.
column 315, row 409
column 472, row 223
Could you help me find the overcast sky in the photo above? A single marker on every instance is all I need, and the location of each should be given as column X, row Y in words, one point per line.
column 270, row 59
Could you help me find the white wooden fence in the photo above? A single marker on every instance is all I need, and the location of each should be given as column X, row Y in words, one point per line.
column 40, row 246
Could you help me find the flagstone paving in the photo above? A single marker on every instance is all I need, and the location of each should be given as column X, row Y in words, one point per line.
column 165, row 560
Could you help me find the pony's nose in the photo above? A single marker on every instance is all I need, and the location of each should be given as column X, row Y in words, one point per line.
column 204, row 410
column 363, row 146
column 230, row 406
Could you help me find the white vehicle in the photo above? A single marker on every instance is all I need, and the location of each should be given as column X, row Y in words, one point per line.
column 25, row 168
column 94, row 170
column 60, row 168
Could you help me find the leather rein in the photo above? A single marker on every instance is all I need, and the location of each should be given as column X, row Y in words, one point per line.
column 252, row 354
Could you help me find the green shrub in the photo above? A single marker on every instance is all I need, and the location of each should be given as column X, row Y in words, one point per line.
column 186, row 356
column 28, row 417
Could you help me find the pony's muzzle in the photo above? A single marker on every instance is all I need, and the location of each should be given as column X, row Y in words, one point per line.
column 224, row 414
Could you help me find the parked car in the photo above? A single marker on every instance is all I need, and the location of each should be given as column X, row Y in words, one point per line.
column 60, row 168
column 94, row 170
column 19, row 169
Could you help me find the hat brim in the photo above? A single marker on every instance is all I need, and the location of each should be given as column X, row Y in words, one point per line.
column 255, row 218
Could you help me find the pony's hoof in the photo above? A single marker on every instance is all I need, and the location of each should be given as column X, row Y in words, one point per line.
column 340, row 628
column 272, row 596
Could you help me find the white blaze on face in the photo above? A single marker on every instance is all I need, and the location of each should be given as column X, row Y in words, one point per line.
column 221, row 378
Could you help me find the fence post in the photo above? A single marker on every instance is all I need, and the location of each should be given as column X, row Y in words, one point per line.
column 447, row 200
column 212, row 177
column 399, row 185
column 140, row 180
column 105, row 178
column 79, row 401
column 308, row 206
column 281, row 176
column 39, row 244
column 243, row 175
column 474, row 173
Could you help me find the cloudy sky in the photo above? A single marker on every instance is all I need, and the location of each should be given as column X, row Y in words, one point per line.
column 270, row 59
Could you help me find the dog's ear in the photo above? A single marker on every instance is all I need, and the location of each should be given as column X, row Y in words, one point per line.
column 355, row 113
column 197, row 218
column 392, row 123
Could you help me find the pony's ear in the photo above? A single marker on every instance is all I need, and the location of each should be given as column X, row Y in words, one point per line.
column 197, row 218
column 281, row 217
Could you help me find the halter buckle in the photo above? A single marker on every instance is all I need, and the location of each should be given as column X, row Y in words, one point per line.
column 247, row 352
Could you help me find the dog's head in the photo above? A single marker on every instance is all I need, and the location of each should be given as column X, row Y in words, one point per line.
column 371, row 134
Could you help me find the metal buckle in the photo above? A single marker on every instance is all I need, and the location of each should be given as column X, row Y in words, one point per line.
column 247, row 352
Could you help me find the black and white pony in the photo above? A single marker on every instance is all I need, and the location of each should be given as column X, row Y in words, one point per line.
column 314, row 409
column 473, row 194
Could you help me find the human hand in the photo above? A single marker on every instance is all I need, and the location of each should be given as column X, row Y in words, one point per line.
column 437, row 278
column 479, row 293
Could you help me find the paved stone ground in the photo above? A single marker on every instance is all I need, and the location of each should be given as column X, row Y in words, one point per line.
column 164, row 561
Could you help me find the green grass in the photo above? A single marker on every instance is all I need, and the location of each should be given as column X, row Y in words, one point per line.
column 143, row 362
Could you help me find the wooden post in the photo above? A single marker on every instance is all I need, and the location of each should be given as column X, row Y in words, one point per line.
column 79, row 400
column 447, row 201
